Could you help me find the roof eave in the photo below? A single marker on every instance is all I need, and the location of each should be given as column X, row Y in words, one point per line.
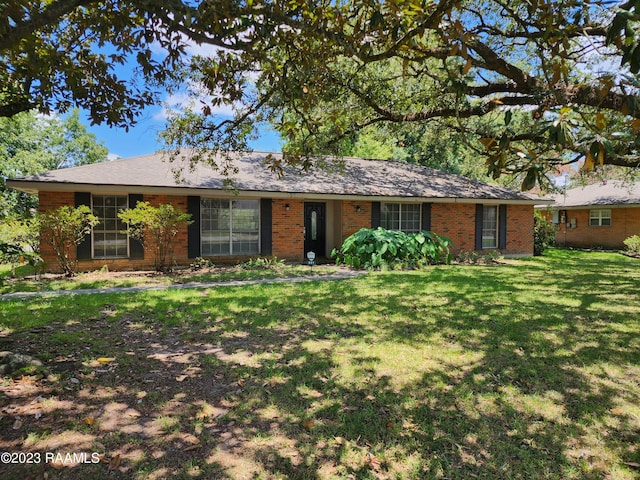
column 35, row 187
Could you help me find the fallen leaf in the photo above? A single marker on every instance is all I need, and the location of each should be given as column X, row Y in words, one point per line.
column 89, row 421
column 17, row 424
column 114, row 463
column 241, row 382
column 308, row 424
column 373, row 462
column 57, row 465
column 632, row 464
column 192, row 447
column 616, row 411
column 106, row 359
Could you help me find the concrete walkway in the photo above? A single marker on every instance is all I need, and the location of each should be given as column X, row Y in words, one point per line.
column 179, row 286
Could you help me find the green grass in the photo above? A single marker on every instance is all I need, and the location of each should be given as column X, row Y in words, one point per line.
column 26, row 281
column 518, row 371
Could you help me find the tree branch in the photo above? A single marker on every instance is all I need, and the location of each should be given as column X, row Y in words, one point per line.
column 52, row 14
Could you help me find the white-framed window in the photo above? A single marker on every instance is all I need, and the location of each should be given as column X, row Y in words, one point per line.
column 490, row 226
column 109, row 237
column 600, row 217
column 229, row 227
column 400, row 216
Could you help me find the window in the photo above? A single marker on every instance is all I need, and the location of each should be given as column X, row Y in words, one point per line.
column 400, row 216
column 229, row 227
column 600, row 218
column 109, row 239
column 490, row 226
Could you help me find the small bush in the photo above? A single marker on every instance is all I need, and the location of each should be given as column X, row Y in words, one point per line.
column 633, row 244
column 156, row 228
column 201, row 263
column 474, row 258
column 468, row 256
column 261, row 262
column 381, row 248
column 63, row 229
column 544, row 234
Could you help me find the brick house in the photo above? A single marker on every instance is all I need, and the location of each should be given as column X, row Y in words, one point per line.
column 600, row 215
column 268, row 215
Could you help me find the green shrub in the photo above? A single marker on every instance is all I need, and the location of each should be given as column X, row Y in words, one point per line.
column 201, row 263
column 20, row 241
column 544, row 233
column 155, row 228
column 378, row 248
column 63, row 229
column 633, row 244
column 261, row 262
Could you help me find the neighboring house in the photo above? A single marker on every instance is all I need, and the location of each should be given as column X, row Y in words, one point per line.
column 601, row 215
column 284, row 216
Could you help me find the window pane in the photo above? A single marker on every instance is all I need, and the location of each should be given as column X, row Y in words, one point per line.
column 489, row 227
column 390, row 216
column 410, row 215
column 600, row 218
column 108, row 239
column 229, row 227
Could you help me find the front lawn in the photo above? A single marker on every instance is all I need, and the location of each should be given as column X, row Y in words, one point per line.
column 518, row 371
column 26, row 281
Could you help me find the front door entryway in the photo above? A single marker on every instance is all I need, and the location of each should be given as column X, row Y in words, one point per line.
column 315, row 228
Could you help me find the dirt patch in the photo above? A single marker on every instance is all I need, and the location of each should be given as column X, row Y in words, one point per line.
column 155, row 402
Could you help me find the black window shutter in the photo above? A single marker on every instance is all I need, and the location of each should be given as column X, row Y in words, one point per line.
column 502, row 227
column 479, row 215
column 426, row 216
column 136, row 249
column 375, row 214
column 83, row 249
column 266, row 246
column 193, row 231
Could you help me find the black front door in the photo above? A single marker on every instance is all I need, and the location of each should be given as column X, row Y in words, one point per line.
column 314, row 229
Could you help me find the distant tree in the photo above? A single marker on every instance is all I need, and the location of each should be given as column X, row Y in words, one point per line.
column 20, row 241
column 31, row 143
column 156, row 228
column 63, row 229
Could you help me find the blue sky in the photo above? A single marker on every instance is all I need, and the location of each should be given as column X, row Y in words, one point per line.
column 143, row 137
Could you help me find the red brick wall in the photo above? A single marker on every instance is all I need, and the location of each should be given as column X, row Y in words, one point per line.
column 352, row 220
column 288, row 229
column 180, row 249
column 456, row 221
column 625, row 222
column 52, row 200
column 519, row 229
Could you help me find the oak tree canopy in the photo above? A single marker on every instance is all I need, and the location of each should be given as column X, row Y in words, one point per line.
column 529, row 84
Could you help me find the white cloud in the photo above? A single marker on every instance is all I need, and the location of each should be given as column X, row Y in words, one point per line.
column 194, row 98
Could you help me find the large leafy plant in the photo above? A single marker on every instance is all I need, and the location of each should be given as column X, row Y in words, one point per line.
column 376, row 248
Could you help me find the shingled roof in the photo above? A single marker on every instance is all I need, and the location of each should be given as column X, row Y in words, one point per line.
column 601, row 194
column 358, row 178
